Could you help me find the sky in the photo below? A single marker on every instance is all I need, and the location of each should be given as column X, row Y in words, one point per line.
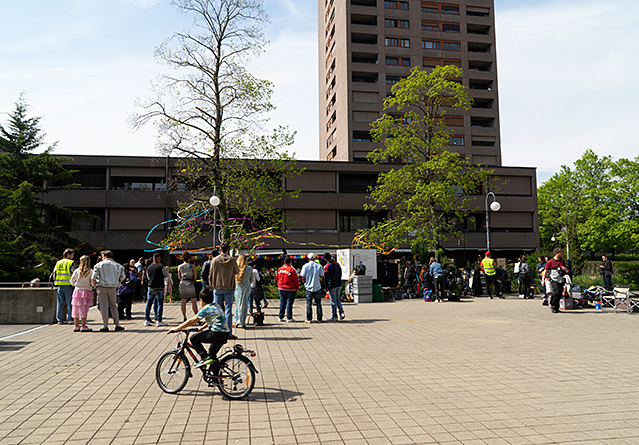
column 567, row 73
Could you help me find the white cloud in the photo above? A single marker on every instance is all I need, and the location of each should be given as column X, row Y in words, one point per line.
column 566, row 82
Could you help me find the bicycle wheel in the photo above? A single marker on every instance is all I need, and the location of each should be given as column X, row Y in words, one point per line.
column 171, row 373
column 237, row 378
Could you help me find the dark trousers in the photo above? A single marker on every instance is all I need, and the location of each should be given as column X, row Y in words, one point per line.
column 124, row 305
column 440, row 286
column 557, row 292
column 525, row 285
column 607, row 282
column 491, row 285
column 216, row 339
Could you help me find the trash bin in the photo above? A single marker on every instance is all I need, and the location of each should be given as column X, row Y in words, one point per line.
column 378, row 295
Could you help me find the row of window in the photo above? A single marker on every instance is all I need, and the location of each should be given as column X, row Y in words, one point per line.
column 427, row 7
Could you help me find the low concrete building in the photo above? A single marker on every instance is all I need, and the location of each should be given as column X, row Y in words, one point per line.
column 130, row 195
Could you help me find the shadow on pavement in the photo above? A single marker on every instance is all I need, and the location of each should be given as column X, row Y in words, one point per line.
column 7, row 346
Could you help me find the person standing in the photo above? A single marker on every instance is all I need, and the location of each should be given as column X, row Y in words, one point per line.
column 222, row 280
column 187, row 276
column 125, row 292
column 106, row 277
column 311, row 273
column 524, row 278
column 256, row 289
column 439, row 279
column 156, row 273
column 606, row 270
column 82, row 294
column 488, row 267
column 287, row 286
column 62, row 279
column 333, row 280
column 243, row 281
column 204, row 276
column 555, row 269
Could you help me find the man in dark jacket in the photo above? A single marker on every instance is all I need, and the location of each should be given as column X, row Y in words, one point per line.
column 606, row 270
column 156, row 273
column 333, row 283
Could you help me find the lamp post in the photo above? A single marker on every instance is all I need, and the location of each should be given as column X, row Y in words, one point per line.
column 214, row 201
column 494, row 206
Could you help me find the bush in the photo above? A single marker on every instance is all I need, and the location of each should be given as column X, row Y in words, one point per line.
column 628, row 273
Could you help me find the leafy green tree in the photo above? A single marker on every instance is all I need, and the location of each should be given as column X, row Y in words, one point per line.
column 212, row 116
column 28, row 243
column 595, row 205
column 432, row 191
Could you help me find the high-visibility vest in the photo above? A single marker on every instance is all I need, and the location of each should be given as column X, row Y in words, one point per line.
column 489, row 266
column 63, row 272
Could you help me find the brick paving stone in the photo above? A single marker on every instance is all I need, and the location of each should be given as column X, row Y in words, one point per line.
column 479, row 371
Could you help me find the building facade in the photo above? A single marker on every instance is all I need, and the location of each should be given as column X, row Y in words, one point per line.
column 130, row 195
column 366, row 46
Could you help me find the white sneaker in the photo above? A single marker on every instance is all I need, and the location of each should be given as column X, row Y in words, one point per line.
column 148, row 323
column 161, row 323
column 342, row 316
column 290, row 320
column 332, row 319
column 521, row 296
column 282, row 320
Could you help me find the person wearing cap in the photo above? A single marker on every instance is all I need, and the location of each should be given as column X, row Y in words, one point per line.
column 311, row 273
column 488, row 267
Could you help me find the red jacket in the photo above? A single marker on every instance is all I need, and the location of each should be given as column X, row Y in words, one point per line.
column 287, row 278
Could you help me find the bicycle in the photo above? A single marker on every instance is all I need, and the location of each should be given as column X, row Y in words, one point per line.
column 233, row 374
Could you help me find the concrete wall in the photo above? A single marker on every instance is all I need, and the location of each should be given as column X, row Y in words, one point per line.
column 27, row 305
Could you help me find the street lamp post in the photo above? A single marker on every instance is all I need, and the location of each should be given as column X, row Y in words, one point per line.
column 214, row 201
column 494, row 206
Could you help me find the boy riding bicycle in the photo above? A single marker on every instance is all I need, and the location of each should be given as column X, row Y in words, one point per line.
column 217, row 333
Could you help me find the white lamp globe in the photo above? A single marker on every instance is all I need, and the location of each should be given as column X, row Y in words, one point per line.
column 214, row 201
column 495, row 206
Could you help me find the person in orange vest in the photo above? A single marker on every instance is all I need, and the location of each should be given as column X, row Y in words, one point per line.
column 488, row 267
column 62, row 279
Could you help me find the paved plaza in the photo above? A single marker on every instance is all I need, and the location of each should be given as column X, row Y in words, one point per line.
column 477, row 371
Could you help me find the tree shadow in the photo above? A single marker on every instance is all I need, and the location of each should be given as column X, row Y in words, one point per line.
column 8, row 346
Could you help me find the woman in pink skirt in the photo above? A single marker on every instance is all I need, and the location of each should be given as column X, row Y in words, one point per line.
column 82, row 294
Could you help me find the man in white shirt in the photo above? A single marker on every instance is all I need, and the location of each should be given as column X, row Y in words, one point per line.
column 311, row 273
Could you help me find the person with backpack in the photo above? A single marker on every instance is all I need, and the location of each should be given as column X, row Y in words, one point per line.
column 523, row 274
column 333, row 281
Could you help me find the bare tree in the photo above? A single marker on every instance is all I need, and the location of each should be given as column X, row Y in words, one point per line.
column 211, row 112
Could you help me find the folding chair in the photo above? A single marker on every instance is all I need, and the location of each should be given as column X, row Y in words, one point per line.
column 606, row 300
column 633, row 302
column 620, row 296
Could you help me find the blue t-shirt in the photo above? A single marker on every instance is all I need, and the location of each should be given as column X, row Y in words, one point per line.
column 214, row 317
column 312, row 272
column 436, row 269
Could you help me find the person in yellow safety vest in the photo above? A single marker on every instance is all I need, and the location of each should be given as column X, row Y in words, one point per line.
column 61, row 278
column 488, row 267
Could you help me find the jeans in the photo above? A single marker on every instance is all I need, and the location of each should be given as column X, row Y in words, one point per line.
column 310, row 296
column 557, row 292
column 287, row 297
column 336, row 304
column 224, row 299
column 154, row 298
column 205, row 282
column 65, row 297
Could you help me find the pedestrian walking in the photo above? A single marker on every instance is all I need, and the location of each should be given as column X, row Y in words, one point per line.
column 243, row 280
